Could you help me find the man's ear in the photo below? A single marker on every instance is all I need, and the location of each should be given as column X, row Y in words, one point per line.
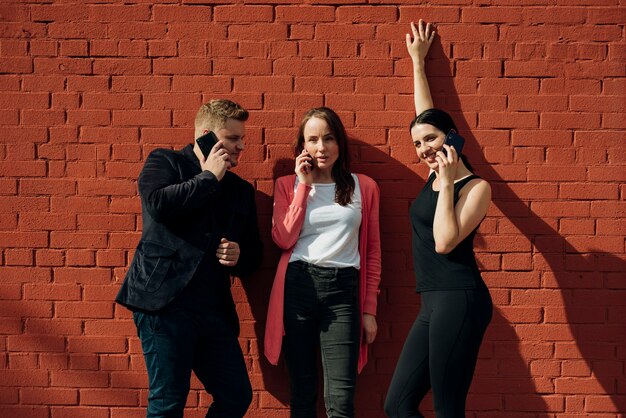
column 205, row 131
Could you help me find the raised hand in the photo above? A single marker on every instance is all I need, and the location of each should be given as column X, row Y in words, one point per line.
column 423, row 36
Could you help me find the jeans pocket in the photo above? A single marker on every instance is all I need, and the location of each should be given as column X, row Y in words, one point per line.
column 154, row 322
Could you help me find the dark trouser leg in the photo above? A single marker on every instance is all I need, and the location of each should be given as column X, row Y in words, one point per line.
column 411, row 379
column 168, row 341
column 339, row 340
column 300, row 341
column 458, row 323
column 220, row 366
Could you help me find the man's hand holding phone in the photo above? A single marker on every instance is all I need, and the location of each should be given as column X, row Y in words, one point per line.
column 218, row 159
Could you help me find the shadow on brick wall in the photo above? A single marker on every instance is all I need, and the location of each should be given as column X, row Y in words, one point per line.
column 581, row 325
column 503, row 375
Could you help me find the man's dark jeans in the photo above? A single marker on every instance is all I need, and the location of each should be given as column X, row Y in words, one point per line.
column 175, row 343
column 321, row 309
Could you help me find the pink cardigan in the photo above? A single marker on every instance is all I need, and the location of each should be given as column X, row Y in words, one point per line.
column 287, row 220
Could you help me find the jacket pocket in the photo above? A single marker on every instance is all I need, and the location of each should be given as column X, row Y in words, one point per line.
column 153, row 263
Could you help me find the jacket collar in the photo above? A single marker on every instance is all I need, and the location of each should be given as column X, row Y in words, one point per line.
column 188, row 153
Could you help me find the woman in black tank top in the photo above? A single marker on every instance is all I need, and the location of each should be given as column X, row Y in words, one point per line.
column 441, row 349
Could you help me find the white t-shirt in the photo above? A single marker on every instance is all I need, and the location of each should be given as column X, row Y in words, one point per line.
column 330, row 233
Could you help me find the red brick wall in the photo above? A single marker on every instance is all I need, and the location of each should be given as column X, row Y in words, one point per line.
column 537, row 87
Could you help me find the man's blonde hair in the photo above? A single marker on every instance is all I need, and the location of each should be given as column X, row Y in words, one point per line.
column 213, row 114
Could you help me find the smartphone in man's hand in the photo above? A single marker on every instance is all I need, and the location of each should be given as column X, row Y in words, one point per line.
column 206, row 142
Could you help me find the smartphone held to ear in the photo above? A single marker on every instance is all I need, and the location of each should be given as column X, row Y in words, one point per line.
column 311, row 166
column 206, row 142
column 455, row 140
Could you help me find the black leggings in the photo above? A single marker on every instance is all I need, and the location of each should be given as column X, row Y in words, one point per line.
column 440, row 352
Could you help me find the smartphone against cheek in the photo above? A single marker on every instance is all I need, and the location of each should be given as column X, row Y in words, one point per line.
column 455, row 140
column 206, row 142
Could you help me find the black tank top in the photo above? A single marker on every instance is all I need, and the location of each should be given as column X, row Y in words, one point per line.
column 433, row 271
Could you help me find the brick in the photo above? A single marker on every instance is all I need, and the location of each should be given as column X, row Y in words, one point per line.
column 79, row 412
column 245, row 13
column 181, row 66
column 106, row 222
column 111, row 101
column 18, row 257
column 84, row 344
column 24, row 411
column 49, row 258
column 596, row 103
column 134, row 30
column 611, row 227
column 13, row 48
column 24, row 239
column 36, row 343
column 608, row 209
column 553, row 209
column 595, row 244
column 327, row 84
column 54, row 13
column 27, row 309
column 269, row 84
column 214, row 84
column 359, row 68
column 63, row 327
column 344, row 32
column 557, row 173
column 508, row 120
column 277, row 101
column 133, row 48
column 51, row 292
column 195, row 31
column 84, row 310
column 157, row 48
column 80, row 379
column 119, row 13
column 99, row 293
column 522, row 86
column 82, row 30
column 584, row 191
column 61, row 239
column 342, row 49
column 603, row 174
column 577, row 226
column 109, row 397
column 116, row 363
column 365, row 14
column 266, row 31
column 49, row 396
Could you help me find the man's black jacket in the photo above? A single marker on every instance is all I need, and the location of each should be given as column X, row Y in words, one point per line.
column 175, row 195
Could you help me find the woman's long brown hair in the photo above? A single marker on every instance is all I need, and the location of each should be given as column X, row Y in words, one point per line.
column 341, row 169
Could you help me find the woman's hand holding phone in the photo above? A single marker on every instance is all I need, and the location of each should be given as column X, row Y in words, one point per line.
column 448, row 161
column 304, row 166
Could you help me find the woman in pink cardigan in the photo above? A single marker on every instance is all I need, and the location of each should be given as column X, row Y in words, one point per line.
column 326, row 286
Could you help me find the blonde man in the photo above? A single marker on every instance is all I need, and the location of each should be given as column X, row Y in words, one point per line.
column 199, row 229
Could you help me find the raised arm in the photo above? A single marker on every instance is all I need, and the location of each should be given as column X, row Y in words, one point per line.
column 418, row 46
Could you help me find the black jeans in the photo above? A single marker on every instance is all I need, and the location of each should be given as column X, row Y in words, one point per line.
column 321, row 309
column 176, row 342
column 440, row 352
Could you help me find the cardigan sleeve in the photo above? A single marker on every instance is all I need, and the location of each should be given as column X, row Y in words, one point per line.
column 288, row 215
column 373, row 266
